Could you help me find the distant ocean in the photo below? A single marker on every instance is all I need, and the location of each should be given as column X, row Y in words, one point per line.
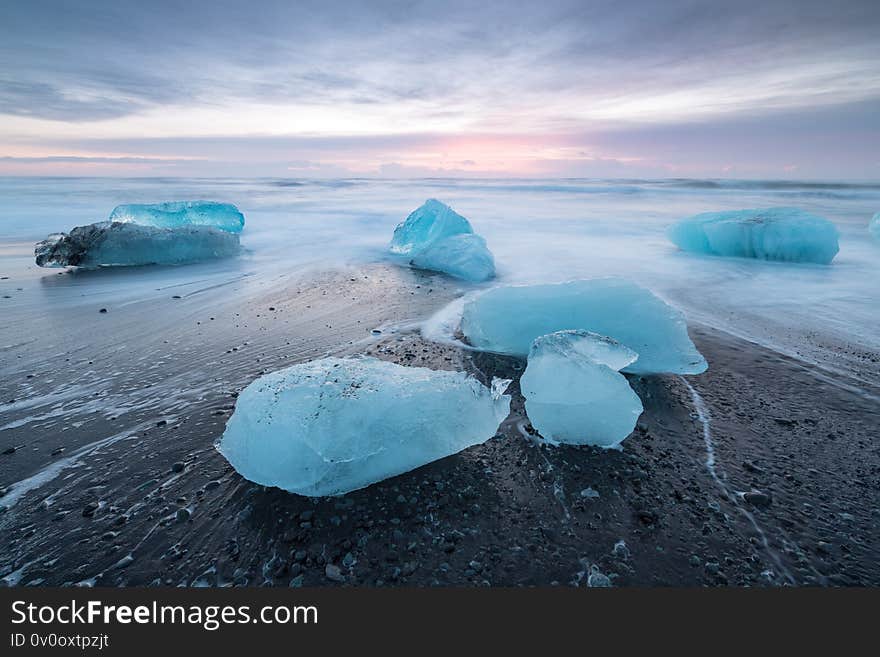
column 539, row 230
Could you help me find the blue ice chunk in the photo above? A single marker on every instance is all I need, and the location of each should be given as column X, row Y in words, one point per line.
column 574, row 393
column 463, row 256
column 175, row 214
column 427, row 224
column 334, row 425
column 786, row 234
column 874, row 226
column 109, row 244
column 508, row 319
column 436, row 237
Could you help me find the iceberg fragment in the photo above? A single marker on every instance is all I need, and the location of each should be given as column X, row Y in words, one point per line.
column 177, row 214
column 785, row 234
column 335, row 425
column 874, row 226
column 427, row 224
column 109, row 244
column 463, row 256
column 436, row 237
column 508, row 319
column 574, row 393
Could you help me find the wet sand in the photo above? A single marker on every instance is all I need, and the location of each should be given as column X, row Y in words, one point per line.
column 114, row 479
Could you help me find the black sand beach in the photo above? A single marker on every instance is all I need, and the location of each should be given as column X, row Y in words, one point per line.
column 110, row 477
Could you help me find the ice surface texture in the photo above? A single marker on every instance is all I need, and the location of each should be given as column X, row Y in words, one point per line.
column 874, row 226
column 463, row 256
column 176, row 214
column 786, row 234
column 109, row 244
column 574, row 393
column 334, row 425
column 508, row 319
column 437, row 238
column 426, row 225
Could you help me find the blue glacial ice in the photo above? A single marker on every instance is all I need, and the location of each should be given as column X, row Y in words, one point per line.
column 177, row 214
column 109, row 244
column 874, row 226
column 463, row 256
column 785, row 234
column 335, row 425
column 574, row 393
column 508, row 319
column 437, row 238
column 426, row 225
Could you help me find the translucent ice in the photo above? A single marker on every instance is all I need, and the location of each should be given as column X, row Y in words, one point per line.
column 508, row 319
column 334, row 425
column 586, row 344
column 462, row 256
column 109, row 244
column 175, row 214
column 786, row 234
column 427, row 224
column 574, row 393
column 874, row 226
column 436, row 237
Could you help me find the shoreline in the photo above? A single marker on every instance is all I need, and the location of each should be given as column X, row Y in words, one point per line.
column 156, row 504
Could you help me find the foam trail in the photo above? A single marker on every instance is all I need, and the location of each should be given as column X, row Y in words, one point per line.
column 17, row 490
column 442, row 325
column 558, row 488
column 704, row 418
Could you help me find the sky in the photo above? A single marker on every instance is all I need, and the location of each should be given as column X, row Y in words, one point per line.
column 549, row 88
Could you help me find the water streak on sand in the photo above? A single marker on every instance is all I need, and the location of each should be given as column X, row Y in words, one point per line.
column 703, row 416
column 51, row 471
column 558, row 488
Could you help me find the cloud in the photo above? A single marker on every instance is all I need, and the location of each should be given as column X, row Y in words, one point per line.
column 182, row 74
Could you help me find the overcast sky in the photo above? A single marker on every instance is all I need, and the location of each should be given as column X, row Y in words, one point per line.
column 544, row 88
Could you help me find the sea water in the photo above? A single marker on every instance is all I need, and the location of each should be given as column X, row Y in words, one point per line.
column 540, row 231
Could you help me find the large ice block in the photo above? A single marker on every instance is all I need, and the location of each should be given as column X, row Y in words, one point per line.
column 177, row 214
column 786, row 234
column 574, row 393
column 109, row 244
column 429, row 223
column 508, row 319
column 874, row 226
column 334, row 425
column 463, row 256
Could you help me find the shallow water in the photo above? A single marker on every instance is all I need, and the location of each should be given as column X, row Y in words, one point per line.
column 538, row 230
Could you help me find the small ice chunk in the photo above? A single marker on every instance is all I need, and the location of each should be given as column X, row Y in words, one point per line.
column 335, row 425
column 109, row 244
column 589, row 493
column 176, row 214
column 786, row 234
column 508, row 319
column 426, row 225
column 572, row 397
column 874, row 226
column 463, row 256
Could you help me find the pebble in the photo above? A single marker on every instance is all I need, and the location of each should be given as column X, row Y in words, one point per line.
column 757, row 499
column 598, row 579
column 333, row 573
